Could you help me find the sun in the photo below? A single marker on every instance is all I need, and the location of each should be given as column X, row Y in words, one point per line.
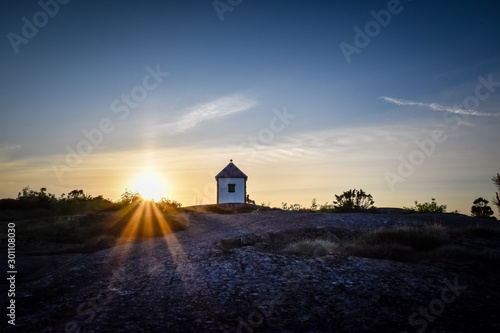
column 149, row 186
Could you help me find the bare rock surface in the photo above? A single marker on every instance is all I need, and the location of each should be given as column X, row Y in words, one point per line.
column 228, row 273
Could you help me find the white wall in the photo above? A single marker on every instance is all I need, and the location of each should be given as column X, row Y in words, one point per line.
column 237, row 196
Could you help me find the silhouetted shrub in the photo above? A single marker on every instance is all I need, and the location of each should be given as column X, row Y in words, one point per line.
column 426, row 207
column 291, row 207
column 129, row 197
column 353, row 200
column 166, row 205
column 327, row 207
column 314, row 205
column 481, row 209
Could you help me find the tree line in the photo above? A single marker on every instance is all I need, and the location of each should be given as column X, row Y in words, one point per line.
column 77, row 202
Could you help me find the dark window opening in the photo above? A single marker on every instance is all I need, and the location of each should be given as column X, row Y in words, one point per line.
column 231, row 187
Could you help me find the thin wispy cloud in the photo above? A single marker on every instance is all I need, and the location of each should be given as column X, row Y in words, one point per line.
column 7, row 150
column 354, row 144
column 9, row 147
column 208, row 111
column 438, row 107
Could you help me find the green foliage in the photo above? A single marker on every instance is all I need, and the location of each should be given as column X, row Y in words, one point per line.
column 31, row 195
column 264, row 206
column 426, row 207
column 128, row 197
column 353, row 200
column 75, row 202
column 481, row 209
column 349, row 201
column 166, row 205
column 291, row 207
column 78, row 202
column 327, row 207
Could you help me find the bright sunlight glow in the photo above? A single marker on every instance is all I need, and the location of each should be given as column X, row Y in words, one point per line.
column 150, row 187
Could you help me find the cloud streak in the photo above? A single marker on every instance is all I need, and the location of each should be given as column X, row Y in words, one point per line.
column 208, row 111
column 438, row 107
column 9, row 147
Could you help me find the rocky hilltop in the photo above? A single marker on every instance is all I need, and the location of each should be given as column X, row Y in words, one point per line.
column 233, row 273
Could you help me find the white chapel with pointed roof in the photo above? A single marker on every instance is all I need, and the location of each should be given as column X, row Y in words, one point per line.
column 231, row 185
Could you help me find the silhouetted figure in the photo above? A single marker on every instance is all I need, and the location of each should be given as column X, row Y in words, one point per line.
column 250, row 201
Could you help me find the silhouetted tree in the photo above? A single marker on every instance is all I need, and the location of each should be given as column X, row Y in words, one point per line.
column 481, row 208
column 314, row 204
column 29, row 194
column 78, row 195
column 496, row 181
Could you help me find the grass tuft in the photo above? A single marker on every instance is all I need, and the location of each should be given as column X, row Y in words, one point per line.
column 311, row 247
column 419, row 240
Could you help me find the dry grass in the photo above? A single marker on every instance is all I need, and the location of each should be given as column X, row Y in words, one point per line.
column 417, row 239
column 431, row 242
column 312, row 247
column 94, row 232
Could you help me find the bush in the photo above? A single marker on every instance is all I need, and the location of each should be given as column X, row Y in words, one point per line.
column 327, row 207
column 295, row 207
column 31, row 195
column 314, row 205
column 481, row 209
column 129, row 197
column 264, row 206
column 76, row 202
column 166, row 205
column 353, row 200
column 426, row 207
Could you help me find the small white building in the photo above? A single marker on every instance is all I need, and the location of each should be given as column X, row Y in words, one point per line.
column 231, row 185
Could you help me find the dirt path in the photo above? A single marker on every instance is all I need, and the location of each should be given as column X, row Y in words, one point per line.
column 188, row 282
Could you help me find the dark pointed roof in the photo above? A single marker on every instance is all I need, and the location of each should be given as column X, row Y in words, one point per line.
column 231, row 171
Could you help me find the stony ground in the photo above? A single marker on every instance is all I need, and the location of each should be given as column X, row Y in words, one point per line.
column 227, row 273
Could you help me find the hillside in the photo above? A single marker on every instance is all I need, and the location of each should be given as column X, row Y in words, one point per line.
column 235, row 273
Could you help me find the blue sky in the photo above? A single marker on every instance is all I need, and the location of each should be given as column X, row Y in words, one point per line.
column 228, row 79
